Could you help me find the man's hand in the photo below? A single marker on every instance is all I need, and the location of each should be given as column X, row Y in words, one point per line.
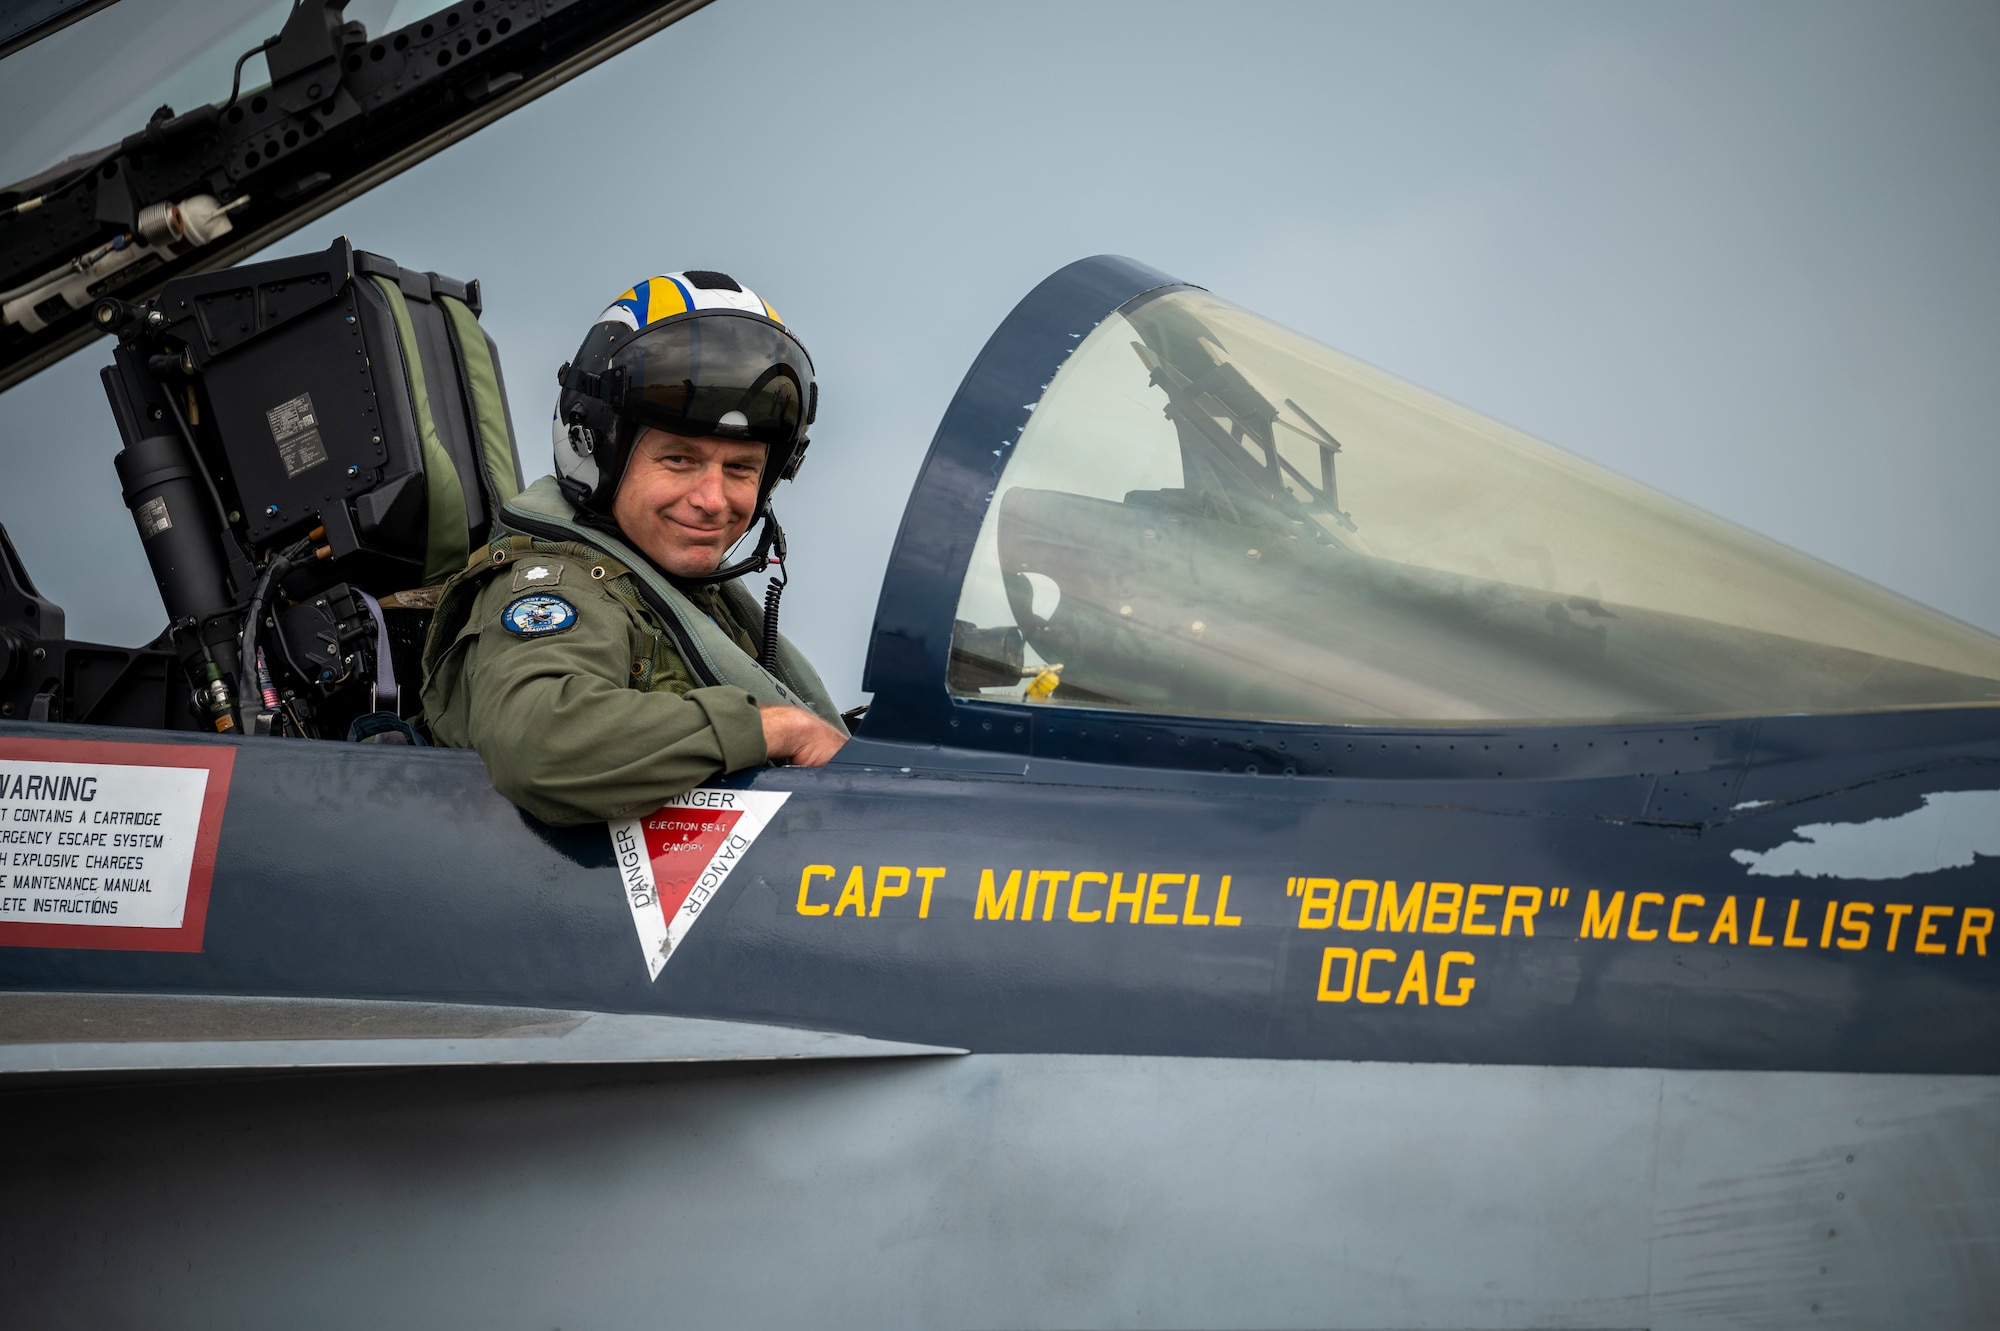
column 794, row 735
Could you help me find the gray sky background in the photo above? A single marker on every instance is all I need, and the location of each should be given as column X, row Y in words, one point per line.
column 1745, row 254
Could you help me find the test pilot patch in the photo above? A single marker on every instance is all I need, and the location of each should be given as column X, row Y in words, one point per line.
column 532, row 616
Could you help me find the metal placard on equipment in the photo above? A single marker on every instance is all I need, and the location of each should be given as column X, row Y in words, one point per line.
column 296, row 429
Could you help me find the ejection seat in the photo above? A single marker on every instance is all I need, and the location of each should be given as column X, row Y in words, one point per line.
column 335, row 407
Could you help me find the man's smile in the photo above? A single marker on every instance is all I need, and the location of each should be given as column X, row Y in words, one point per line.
column 694, row 531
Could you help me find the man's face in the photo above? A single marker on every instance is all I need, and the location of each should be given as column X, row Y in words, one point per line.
column 686, row 501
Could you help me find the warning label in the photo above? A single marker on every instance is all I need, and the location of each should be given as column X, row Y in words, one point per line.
column 673, row 861
column 102, row 848
column 296, row 429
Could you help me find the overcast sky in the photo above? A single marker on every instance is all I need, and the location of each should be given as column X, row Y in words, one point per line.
column 1743, row 253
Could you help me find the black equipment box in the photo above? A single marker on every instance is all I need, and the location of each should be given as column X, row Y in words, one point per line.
column 341, row 391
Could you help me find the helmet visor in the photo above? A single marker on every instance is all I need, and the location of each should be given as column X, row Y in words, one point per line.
column 716, row 374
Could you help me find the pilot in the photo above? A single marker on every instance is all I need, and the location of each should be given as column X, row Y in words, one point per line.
column 599, row 653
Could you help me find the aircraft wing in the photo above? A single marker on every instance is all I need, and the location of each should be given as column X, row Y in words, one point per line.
column 75, row 1033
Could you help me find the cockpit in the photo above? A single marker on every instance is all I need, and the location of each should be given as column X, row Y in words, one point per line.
column 1145, row 502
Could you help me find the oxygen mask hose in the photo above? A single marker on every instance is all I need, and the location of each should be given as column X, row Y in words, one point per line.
column 767, row 655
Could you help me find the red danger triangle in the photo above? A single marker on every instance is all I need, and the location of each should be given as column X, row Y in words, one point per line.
column 681, row 842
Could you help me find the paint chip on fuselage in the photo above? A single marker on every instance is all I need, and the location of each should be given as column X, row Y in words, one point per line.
column 1948, row 832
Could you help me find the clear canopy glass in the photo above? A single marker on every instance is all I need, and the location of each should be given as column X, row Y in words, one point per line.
column 92, row 83
column 1211, row 514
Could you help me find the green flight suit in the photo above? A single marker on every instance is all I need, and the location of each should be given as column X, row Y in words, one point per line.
column 599, row 719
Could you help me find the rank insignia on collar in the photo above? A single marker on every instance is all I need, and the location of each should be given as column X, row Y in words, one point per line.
column 532, row 616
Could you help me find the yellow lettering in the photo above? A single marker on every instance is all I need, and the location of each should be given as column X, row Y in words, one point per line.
column 1522, row 903
column 1966, row 931
column 813, row 871
column 1465, row 982
column 1187, row 914
column 1756, row 923
column 1441, row 915
column 1826, row 927
column 929, row 877
column 1600, row 921
column 1473, row 910
column 1076, row 897
column 1055, row 878
column 1223, row 919
column 1792, row 919
column 1632, row 929
column 1316, row 903
column 1415, row 980
column 1674, row 931
column 1346, row 990
column 1858, row 927
column 1368, row 959
column 883, row 877
column 1725, row 919
column 994, row 904
column 1119, row 894
column 853, row 890
column 1354, row 887
column 1156, row 897
column 1895, row 914
column 1925, row 929
column 1401, row 917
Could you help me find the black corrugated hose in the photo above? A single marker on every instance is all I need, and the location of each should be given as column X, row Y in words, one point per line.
column 767, row 656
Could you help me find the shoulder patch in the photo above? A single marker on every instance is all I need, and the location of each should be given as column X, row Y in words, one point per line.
column 532, row 616
column 533, row 575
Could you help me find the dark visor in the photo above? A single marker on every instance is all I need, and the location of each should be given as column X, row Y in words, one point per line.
column 716, row 374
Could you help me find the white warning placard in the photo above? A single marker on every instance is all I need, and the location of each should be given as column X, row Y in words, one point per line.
column 107, row 845
column 672, row 861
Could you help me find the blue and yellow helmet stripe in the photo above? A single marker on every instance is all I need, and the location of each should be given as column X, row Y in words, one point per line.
column 654, row 299
column 648, row 302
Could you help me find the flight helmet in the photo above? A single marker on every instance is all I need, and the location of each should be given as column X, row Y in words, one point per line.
column 693, row 353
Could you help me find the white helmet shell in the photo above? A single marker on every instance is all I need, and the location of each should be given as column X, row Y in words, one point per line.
column 573, row 448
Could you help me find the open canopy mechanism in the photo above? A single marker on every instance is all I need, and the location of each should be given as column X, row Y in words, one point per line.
column 199, row 189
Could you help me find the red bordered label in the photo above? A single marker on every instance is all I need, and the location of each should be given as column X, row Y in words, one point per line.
column 109, row 845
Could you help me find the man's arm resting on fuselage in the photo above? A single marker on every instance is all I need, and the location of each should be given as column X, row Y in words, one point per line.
column 577, row 748
column 564, row 735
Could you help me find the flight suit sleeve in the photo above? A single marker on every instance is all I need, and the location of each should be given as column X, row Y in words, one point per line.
column 562, row 732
